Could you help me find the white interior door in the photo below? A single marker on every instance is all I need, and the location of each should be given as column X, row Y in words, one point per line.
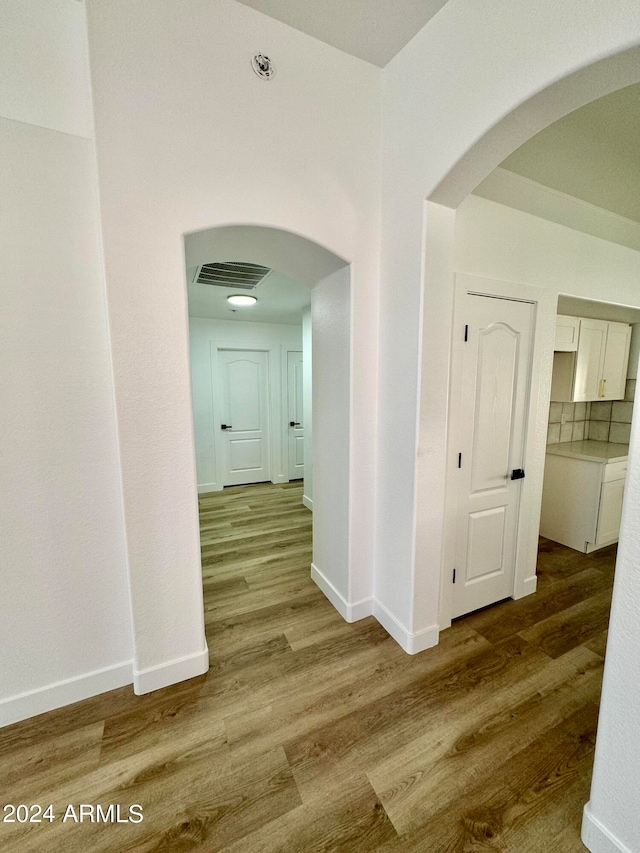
column 495, row 397
column 295, row 415
column 244, row 409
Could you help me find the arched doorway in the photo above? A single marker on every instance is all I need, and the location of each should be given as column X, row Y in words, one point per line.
column 434, row 537
column 328, row 278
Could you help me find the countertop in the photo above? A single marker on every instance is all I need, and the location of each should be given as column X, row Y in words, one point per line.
column 591, row 451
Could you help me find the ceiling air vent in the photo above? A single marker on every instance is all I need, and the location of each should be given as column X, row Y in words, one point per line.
column 241, row 276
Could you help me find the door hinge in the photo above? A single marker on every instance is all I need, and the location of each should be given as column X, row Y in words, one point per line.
column 466, row 333
column 454, row 576
column 459, row 460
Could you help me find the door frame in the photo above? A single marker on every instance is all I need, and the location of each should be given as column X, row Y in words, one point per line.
column 525, row 579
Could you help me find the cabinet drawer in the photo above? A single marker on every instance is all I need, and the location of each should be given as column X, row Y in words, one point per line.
column 614, row 471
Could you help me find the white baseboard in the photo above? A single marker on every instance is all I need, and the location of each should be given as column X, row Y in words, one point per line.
column 411, row 643
column 203, row 488
column 529, row 586
column 63, row 693
column 165, row 674
column 307, row 502
column 349, row 612
column 597, row 838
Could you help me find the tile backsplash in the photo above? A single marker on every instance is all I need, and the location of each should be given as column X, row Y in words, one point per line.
column 602, row 421
column 575, row 427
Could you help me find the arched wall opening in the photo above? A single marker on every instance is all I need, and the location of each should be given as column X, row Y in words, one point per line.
column 606, row 825
column 329, row 278
column 434, row 540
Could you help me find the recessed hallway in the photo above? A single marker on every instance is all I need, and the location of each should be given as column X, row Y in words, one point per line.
column 312, row 734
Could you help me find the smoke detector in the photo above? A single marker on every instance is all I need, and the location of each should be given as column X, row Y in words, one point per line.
column 263, row 66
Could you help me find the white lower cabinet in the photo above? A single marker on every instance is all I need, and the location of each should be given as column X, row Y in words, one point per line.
column 610, row 512
column 582, row 501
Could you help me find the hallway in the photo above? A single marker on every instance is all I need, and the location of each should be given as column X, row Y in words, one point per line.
column 312, row 734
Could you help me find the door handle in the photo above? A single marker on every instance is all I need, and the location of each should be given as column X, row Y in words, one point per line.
column 226, row 426
column 517, row 474
column 294, row 423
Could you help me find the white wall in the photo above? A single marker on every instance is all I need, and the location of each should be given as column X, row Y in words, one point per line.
column 496, row 241
column 532, row 197
column 331, row 380
column 43, row 65
column 611, row 816
column 278, row 339
column 177, row 106
column 307, row 407
column 64, row 610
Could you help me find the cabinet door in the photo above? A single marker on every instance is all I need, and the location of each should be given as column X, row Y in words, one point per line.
column 567, row 329
column 616, row 358
column 590, row 359
column 610, row 511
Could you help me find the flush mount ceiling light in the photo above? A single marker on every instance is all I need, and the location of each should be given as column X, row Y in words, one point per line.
column 241, row 299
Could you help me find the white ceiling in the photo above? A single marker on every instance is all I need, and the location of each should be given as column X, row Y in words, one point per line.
column 280, row 300
column 592, row 154
column 373, row 30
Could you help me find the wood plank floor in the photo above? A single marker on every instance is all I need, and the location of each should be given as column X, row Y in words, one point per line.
column 309, row 734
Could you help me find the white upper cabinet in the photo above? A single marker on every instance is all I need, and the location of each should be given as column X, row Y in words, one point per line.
column 616, row 361
column 567, row 330
column 597, row 370
column 592, row 344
